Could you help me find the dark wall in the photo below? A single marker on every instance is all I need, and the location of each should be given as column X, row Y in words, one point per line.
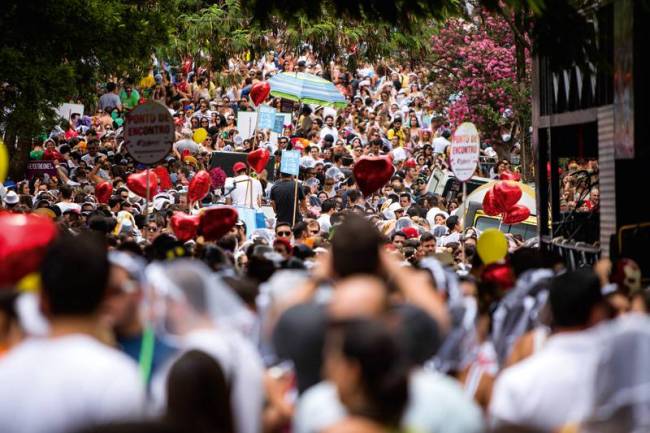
column 641, row 78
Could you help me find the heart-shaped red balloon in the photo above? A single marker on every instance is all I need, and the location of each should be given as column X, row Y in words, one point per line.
column 163, row 177
column 217, row 221
column 516, row 214
column 507, row 193
column 185, row 226
column 499, row 274
column 372, row 172
column 103, row 191
column 23, row 241
column 259, row 92
column 508, row 175
column 257, row 159
column 137, row 182
column 199, row 186
column 490, row 205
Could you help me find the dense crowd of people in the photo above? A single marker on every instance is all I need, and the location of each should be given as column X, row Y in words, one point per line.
column 333, row 311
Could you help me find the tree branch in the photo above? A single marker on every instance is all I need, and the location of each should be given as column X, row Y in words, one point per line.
column 515, row 30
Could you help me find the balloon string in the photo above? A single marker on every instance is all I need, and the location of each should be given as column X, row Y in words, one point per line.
column 146, row 353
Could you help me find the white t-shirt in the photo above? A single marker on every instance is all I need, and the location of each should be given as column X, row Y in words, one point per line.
column 325, row 224
column 453, row 412
column 439, row 144
column 57, row 385
column 327, row 130
column 552, row 387
column 90, row 160
column 247, row 193
column 450, row 238
column 64, row 206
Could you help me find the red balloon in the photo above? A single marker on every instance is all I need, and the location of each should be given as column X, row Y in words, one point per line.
column 499, row 274
column 103, row 191
column 199, row 186
column 371, row 173
column 507, row 193
column 257, row 159
column 259, row 92
column 53, row 154
column 163, row 176
column 508, row 175
column 217, row 221
column 516, row 214
column 185, row 226
column 23, row 241
column 137, row 183
column 490, row 205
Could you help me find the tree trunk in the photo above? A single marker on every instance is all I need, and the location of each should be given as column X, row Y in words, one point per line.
column 523, row 119
column 18, row 152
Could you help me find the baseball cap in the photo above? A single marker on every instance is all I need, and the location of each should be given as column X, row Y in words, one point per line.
column 238, row 166
column 410, row 163
column 411, row 232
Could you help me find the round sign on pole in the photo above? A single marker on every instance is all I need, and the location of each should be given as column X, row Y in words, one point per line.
column 149, row 133
column 465, row 145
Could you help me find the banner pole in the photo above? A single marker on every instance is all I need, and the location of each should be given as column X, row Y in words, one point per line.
column 295, row 202
column 146, row 199
column 257, row 117
column 462, row 241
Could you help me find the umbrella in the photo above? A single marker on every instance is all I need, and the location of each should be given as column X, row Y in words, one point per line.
column 306, row 88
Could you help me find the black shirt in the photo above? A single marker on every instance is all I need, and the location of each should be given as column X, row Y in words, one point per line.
column 283, row 195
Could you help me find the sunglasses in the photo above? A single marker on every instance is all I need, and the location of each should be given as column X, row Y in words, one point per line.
column 314, row 232
column 152, row 229
column 283, row 234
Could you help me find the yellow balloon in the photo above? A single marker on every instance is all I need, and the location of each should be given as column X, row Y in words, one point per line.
column 4, row 161
column 492, row 246
column 30, row 283
column 200, row 135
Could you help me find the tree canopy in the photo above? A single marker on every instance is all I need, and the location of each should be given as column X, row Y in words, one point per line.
column 54, row 51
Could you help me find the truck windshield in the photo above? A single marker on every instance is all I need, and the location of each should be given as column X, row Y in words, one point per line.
column 527, row 231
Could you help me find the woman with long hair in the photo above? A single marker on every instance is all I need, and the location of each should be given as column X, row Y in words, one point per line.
column 365, row 363
column 198, row 395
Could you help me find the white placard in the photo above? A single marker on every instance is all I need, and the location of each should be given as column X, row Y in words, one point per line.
column 246, row 124
column 149, row 132
column 66, row 110
column 465, row 145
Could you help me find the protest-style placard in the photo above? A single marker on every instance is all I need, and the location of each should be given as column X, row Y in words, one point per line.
column 149, row 133
column 290, row 162
column 465, row 146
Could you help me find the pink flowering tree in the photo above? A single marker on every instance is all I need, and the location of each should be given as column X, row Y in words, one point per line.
column 478, row 77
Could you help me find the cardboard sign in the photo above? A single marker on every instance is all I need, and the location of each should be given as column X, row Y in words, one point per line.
column 37, row 167
column 266, row 118
column 278, row 125
column 246, row 124
column 225, row 160
column 67, row 110
column 290, row 162
column 465, row 145
column 149, row 133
